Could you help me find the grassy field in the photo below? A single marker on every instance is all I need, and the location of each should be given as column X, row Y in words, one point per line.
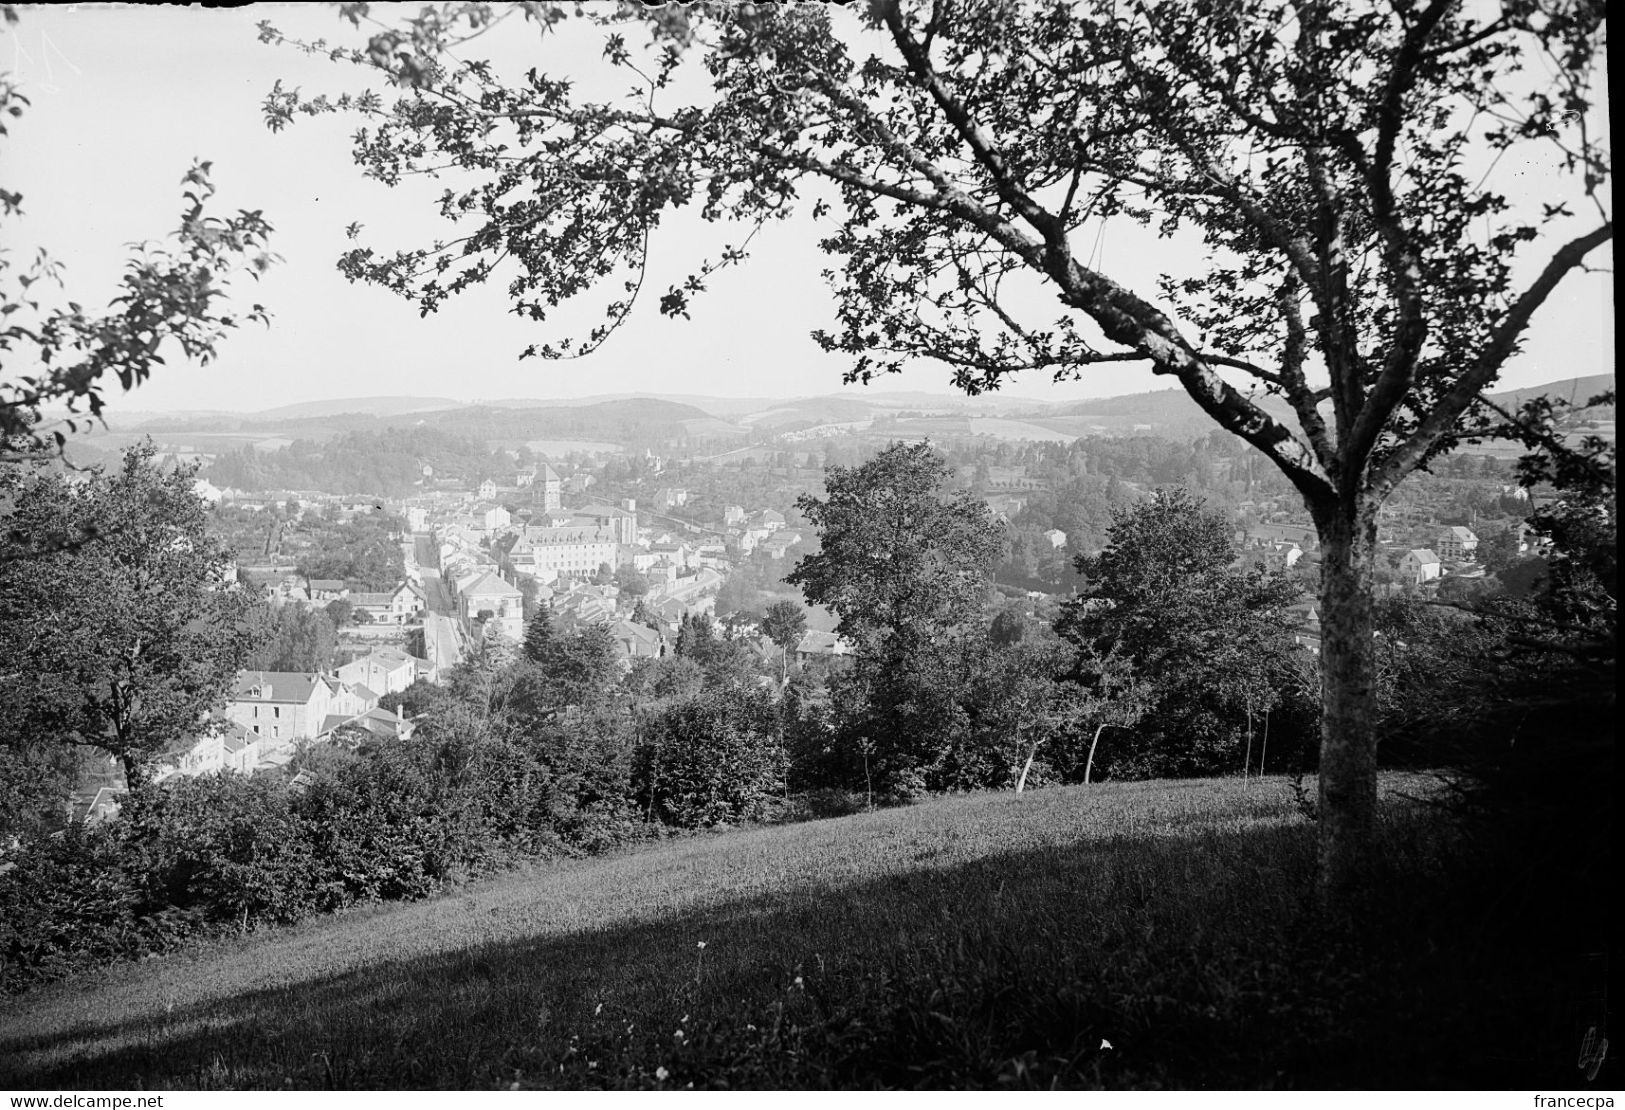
column 982, row 941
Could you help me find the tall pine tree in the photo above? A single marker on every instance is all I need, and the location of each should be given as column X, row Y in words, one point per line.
column 541, row 638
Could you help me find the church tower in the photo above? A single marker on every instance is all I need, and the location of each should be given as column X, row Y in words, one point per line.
column 548, row 490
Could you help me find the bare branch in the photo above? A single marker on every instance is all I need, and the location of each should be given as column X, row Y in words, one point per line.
column 1403, row 260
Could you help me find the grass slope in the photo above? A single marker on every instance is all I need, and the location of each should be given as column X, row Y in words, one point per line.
column 980, row 941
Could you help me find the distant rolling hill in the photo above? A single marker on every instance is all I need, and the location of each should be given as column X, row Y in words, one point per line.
column 1172, row 413
column 634, row 420
column 368, row 406
column 723, row 407
column 810, row 411
column 1574, row 390
column 645, row 420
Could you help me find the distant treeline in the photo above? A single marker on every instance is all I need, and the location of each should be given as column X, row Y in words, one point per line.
column 457, row 444
column 635, row 422
column 384, row 463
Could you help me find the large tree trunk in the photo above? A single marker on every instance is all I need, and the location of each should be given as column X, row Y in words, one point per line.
column 1348, row 739
column 135, row 772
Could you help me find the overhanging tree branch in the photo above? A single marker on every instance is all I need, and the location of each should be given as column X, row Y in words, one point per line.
column 1484, row 368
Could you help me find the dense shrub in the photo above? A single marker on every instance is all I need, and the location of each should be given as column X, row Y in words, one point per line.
column 518, row 798
column 398, row 821
column 713, row 759
column 585, row 757
column 72, row 902
column 823, row 756
column 227, row 847
column 393, row 824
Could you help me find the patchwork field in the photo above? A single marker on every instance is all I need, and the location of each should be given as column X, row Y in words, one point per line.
column 1020, row 430
column 557, row 448
column 990, row 940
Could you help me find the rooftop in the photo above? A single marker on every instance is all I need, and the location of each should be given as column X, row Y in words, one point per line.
column 282, row 686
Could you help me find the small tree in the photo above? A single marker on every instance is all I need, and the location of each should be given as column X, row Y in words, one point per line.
column 1208, row 640
column 906, row 566
column 340, row 612
column 126, row 642
column 900, row 560
column 642, row 614
column 1498, row 548
column 529, row 592
column 582, row 668
column 1009, row 626
column 541, row 638
column 697, row 638
column 296, row 639
column 1020, row 705
column 783, row 623
column 631, row 581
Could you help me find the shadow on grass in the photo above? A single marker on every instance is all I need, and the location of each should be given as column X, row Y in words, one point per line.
column 1199, row 957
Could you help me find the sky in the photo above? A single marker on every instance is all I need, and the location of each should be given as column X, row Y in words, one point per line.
column 125, row 99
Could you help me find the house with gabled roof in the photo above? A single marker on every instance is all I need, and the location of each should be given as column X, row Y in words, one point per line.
column 281, row 707
column 1456, row 544
column 779, row 543
column 381, row 724
column 465, row 572
column 584, row 605
column 636, row 641
column 397, row 606
column 669, row 613
column 385, row 670
column 1419, row 564
column 490, row 592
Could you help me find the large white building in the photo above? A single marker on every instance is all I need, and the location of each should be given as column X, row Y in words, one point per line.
column 574, row 550
column 281, row 707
